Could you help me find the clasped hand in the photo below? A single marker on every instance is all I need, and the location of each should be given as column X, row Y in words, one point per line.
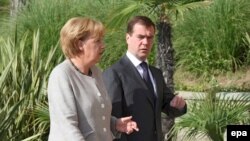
column 126, row 125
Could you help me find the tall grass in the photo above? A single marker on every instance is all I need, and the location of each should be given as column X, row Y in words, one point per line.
column 49, row 16
column 23, row 81
column 209, row 41
column 246, row 40
column 4, row 13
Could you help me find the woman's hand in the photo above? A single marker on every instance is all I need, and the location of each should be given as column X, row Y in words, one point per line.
column 126, row 125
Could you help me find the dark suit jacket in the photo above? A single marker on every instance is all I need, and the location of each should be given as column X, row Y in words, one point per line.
column 130, row 96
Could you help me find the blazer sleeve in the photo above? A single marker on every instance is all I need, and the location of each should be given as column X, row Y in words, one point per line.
column 116, row 133
column 167, row 97
column 62, row 107
column 114, row 88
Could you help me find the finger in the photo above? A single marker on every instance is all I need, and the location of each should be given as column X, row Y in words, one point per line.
column 128, row 132
column 173, row 102
column 179, row 103
column 136, row 129
column 133, row 126
column 176, row 101
column 125, row 119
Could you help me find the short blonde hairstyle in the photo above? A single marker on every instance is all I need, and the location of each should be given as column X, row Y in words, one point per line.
column 76, row 29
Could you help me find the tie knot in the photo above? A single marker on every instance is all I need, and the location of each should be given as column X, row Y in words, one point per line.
column 144, row 65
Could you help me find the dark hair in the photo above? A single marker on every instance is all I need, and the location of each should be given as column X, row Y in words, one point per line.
column 143, row 20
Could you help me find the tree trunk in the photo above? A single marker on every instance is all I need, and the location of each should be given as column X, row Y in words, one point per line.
column 165, row 61
column 15, row 6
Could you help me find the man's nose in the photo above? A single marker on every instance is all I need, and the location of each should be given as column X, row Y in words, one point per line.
column 145, row 40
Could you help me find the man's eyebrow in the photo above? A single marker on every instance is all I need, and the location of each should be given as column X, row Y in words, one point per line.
column 143, row 36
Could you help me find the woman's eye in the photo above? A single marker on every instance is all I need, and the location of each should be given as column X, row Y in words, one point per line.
column 97, row 40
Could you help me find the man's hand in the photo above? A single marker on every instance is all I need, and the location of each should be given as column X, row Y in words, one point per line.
column 125, row 124
column 178, row 102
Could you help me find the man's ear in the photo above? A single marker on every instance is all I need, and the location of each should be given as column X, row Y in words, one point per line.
column 127, row 36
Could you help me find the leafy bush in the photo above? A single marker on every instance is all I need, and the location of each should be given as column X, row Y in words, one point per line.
column 209, row 40
column 23, row 81
column 209, row 114
column 46, row 15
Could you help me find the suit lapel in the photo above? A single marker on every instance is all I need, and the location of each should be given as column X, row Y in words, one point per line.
column 157, row 84
column 156, row 80
column 130, row 68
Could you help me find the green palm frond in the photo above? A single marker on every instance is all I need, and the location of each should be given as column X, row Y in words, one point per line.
column 41, row 113
column 155, row 9
column 210, row 117
column 179, row 8
column 123, row 11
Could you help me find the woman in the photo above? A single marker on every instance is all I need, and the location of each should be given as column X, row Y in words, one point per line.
column 80, row 109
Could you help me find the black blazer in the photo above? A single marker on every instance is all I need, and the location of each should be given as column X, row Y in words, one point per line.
column 130, row 96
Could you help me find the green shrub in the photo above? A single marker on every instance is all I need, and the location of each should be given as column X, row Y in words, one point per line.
column 209, row 40
column 209, row 114
column 23, row 82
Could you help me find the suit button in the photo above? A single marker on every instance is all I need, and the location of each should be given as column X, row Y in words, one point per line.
column 102, row 105
column 104, row 129
column 99, row 94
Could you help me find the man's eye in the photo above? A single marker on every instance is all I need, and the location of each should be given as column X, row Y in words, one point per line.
column 141, row 37
column 150, row 37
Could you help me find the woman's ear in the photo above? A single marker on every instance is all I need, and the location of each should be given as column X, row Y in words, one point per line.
column 80, row 44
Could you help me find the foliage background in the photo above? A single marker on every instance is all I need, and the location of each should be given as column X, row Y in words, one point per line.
column 211, row 44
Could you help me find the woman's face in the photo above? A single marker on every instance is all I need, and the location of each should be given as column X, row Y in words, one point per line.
column 93, row 50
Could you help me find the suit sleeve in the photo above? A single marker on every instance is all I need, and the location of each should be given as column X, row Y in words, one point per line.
column 62, row 107
column 167, row 97
column 114, row 88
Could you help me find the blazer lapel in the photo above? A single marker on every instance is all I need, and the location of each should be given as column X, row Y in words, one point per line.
column 130, row 68
column 156, row 80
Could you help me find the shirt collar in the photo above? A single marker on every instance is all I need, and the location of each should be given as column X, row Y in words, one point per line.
column 136, row 62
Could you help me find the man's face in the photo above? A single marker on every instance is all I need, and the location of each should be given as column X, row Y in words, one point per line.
column 140, row 41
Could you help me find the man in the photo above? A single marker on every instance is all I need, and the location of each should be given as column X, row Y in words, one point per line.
column 138, row 90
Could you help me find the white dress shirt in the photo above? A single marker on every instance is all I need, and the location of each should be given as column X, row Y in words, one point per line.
column 136, row 62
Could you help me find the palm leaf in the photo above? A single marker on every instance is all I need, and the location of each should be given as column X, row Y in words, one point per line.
column 7, row 115
column 41, row 113
column 209, row 117
column 122, row 13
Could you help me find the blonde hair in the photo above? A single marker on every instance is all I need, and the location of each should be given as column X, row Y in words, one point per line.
column 76, row 29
